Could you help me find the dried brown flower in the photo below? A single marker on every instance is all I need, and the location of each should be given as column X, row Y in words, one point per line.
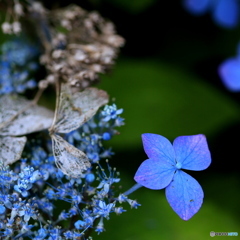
column 83, row 45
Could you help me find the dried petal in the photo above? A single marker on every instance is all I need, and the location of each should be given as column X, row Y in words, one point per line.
column 77, row 108
column 11, row 149
column 69, row 159
column 33, row 119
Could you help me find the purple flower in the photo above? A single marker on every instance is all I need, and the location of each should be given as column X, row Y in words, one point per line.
column 163, row 170
column 197, row 7
column 225, row 13
column 229, row 72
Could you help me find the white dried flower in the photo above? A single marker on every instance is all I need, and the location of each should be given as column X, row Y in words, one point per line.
column 107, row 55
column 44, row 59
column 89, row 47
column 37, row 7
column 16, row 27
column 59, row 39
column 18, row 9
column 70, row 15
column 57, row 54
column 109, row 28
column 80, row 55
column 7, row 28
column 115, row 41
column 66, row 24
column 96, row 68
column 43, row 84
column 51, row 79
column 57, row 67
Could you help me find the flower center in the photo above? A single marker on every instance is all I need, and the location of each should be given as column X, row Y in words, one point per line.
column 178, row 165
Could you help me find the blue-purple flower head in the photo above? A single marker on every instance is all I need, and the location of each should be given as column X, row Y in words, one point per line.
column 225, row 13
column 196, row 7
column 18, row 63
column 164, row 167
column 229, row 72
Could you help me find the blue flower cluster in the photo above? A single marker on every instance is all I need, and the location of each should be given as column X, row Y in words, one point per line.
column 30, row 194
column 17, row 66
column 16, row 212
column 89, row 204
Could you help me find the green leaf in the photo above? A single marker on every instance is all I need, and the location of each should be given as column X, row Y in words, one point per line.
column 159, row 98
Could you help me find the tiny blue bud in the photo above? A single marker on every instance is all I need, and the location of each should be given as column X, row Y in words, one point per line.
column 106, row 136
column 90, row 177
column 2, row 209
column 31, row 83
column 79, row 224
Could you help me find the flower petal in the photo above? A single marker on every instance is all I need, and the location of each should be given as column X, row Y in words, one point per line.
column 158, row 147
column 226, row 13
column 192, row 152
column 197, row 7
column 229, row 72
column 154, row 174
column 185, row 195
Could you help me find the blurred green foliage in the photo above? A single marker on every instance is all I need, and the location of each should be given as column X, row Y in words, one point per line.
column 163, row 99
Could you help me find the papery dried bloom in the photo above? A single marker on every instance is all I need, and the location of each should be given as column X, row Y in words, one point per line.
column 18, row 9
column 88, row 48
column 7, row 28
column 15, row 11
column 37, row 7
column 16, row 27
column 69, row 159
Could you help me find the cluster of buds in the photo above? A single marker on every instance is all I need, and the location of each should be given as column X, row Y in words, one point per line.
column 85, row 46
column 11, row 24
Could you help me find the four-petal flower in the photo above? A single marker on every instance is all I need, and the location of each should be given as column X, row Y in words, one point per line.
column 163, row 170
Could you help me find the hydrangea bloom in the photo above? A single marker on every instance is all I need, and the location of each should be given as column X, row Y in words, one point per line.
column 17, row 66
column 225, row 13
column 33, row 189
column 163, row 170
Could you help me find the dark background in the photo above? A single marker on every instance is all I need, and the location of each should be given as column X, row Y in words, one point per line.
column 167, row 82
